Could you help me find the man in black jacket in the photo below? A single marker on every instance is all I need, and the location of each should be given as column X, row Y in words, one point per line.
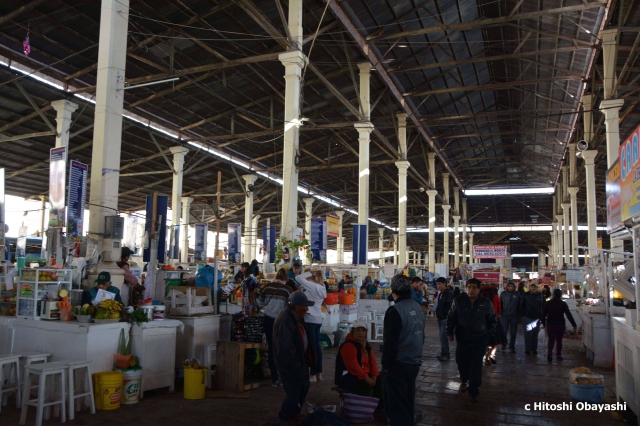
column 472, row 320
column 532, row 305
column 510, row 311
column 445, row 300
column 403, row 337
column 293, row 349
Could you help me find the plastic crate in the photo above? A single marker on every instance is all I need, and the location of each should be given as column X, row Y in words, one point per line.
column 593, row 394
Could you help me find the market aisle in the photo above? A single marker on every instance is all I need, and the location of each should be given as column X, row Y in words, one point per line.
column 516, row 380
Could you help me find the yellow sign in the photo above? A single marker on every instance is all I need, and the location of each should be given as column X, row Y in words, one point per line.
column 333, row 226
column 629, row 160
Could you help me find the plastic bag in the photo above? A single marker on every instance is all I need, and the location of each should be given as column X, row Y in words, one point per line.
column 542, row 336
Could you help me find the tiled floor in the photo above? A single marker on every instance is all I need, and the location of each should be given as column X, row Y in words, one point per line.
column 516, row 380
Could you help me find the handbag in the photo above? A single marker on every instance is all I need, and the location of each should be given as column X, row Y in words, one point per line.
column 358, row 409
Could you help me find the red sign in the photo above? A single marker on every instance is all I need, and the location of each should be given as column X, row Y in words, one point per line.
column 489, row 277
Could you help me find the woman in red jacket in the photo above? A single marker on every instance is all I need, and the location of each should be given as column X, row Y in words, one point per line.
column 491, row 293
column 356, row 366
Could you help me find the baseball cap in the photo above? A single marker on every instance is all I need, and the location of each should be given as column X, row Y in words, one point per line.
column 359, row 324
column 299, row 298
column 126, row 251
column 441, row 280
column 511, row 282
column 533, row 283
column 103, row 277
column 400, row 284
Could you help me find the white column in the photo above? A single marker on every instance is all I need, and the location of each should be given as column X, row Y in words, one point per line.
column 308, row 202
column 609, row 59
column 566, row 233
column 446, row 207
column 540, row 259
column 184, row 231
column 472, row 259
column 293, row 62
column 552, row 244
column 587, row 106
column 107, row 132
column 456, row 241
column 560, row 242
column 432, row 231
column 340, row 242
column 395, row 250
column 248, row 216
column 381, row 246
column 254, row 237
column 590, row 172
column 64, row 109
column 573, row 192
column 176, row 191
column 465, row 245
column 403, row 166
column 364, row 129
column 573, row 168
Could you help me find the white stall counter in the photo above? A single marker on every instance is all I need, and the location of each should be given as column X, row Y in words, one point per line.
column 7, row 331
column 199, row 331
column 70, row 340
column 627, row 352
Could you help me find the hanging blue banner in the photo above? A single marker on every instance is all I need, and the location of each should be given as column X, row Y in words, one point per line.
column 200, row 250
column 77, row 195
column 269, row 241
column 161, row 226
column 360, row 244
column 234, row 232
column 318, row 238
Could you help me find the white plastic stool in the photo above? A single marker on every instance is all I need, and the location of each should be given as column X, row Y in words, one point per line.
column 379, row 317
column 42, row 371
column 364, row 318
column 209, row 360
column 379, row 331
column 34, row 357
column 88, row 387
column 13, row 363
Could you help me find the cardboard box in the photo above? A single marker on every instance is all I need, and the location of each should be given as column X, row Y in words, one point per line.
column 349, row 309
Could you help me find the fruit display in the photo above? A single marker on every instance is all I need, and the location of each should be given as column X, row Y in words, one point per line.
column 30, row 275
column 26, row 290
column 109, row 309
column 42, row 283
column 82, row 310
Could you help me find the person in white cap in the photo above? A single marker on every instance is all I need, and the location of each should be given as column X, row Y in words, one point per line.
column 356, row 366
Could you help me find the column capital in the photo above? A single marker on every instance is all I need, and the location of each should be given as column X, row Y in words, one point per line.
column 256, row 217
column 64, row 105
column 611, row 105
column 364, row 126
column 470, row 234
column 559, row 217
column 293, row 57
column 365, row 67
column 188, row 200
column 179, row 150
column 403, row 165
column 250, row 179
column 566, row 206
column 589, row 157
column 446, row 175
column 431, row 192
column 402, row 118
column 308, row 201
column 456, row 218
column 609, row 35
column 446, row 207
column 573, row 190
column 339, row 213
column 587, row 102
column 431, row 155
column 381, row 232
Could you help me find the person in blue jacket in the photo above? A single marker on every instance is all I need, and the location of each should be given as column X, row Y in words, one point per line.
column 103, row 282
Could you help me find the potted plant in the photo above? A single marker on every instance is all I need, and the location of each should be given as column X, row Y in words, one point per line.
column 123, row 358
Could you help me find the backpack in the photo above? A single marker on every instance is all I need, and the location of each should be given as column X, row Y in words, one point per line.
column 348, row 381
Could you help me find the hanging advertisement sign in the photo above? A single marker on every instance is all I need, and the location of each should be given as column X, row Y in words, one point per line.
column 57, row 185
column 174, row 242
column 333, row 226
column 318, row 238
column 77, row 195
column 2, row 217
column 614, row 206
column 161, row 226
column 360, row 244
column 234, row 231
column 200, row 250
column 629, row 163
column 269, row 242
column 490, row 252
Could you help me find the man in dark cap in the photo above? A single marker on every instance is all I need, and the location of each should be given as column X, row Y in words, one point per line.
column 103, row 282
column 445, row 300
column 531, row 307
column 510, row 301
column 402, row 355
column 293, row 356
column 472, row 320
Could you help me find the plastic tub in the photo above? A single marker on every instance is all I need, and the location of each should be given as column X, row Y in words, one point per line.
column 593, row 394
column 148, row 310
column 131, row 385
column 194, row 383
column 331, row 299
column 158, row 312
column 107, row 389
column 347, row 299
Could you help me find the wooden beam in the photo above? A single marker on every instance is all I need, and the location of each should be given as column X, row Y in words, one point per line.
column 478, row 23
column 19, row 11
column 493, row 86
column 27, row 136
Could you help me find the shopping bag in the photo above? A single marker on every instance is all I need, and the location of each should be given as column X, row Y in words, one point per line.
column 542, row 336
column 358, row 409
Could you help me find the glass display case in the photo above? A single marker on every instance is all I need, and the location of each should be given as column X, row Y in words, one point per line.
column 38, row 290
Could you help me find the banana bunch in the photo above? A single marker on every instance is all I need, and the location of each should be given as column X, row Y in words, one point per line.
column 111, row 305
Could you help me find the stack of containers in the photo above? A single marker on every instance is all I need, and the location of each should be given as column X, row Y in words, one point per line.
column 332, row 313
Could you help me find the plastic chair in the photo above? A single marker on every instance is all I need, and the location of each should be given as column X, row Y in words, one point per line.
column 88, row 386
column 12, row 361
column 43, row 371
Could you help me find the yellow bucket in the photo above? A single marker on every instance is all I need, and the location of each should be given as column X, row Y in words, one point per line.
column 107, row 389
column 194, row 383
